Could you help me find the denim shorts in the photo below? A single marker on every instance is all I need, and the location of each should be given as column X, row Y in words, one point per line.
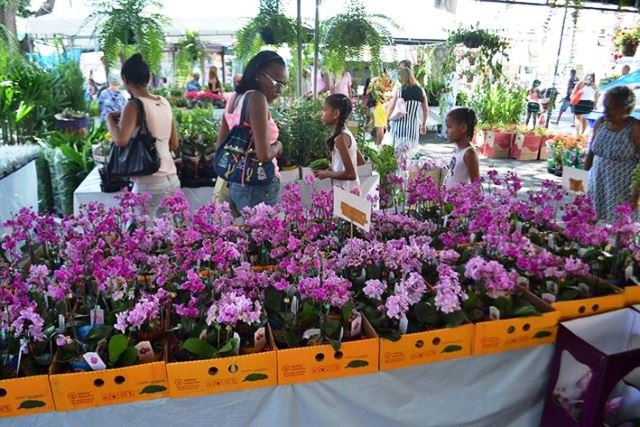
column 252, row 195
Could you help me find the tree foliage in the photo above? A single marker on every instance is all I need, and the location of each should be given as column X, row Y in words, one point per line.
column 190, row 50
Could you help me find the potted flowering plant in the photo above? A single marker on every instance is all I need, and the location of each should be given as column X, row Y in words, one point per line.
column 627, row 39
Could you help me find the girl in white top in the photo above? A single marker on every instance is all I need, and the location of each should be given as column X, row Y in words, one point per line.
column 345, row 156
column 464, row 167
column 588, row 98
column 122, row 126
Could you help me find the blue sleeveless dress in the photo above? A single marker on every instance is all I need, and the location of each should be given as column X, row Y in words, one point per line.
column 613, row 165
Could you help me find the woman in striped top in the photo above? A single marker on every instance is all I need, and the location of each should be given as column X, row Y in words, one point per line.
column 407, row 130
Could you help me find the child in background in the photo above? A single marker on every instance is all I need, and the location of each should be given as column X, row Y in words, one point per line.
column 345, row 156
column 464, row 167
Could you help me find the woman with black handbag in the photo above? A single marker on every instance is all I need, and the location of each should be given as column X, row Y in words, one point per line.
column 151, row 114
column 251, row 179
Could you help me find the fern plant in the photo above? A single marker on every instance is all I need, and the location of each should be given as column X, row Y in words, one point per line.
column 127, row 26
column 269, row 27
column 348, row 34
column 190, row 50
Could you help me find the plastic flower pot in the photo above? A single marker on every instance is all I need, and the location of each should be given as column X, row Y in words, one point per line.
column 629, row 49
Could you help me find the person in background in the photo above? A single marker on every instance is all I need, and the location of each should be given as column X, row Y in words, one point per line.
column 464, row 167
column 194, row 83
column 378, row 98
column 407, row 130
column 344, row 85
column 533, row 103
column 586, row 89
column 214, row 83
column 405, row 63
column 111, row 99
column 261, row 84
column 573, row 80
column 306, row 82
column 345, row 156
column 159, row 117
column 614, row 154
column 625, row 70
column 324, row 84
column 236, row 80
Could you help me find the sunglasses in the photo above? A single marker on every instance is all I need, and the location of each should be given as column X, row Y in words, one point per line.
column 276, row 83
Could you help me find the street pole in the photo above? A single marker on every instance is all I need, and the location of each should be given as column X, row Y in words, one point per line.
column 555, row 71
column 299, row 91
column 316, row 48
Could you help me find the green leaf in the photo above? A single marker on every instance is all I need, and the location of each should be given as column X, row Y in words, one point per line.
column 99, row 332
column 347, row 311
column 228, row 347
column 335, row 344
column 199, row 348
column 128, row 357
column 30, row 404
column 255, row 377
column 454, row 319
column 451, row 348
column 153, row 389
column 43, row 359
column 118, row 344
column 357, row 363
column 331, row 327
column 291, row 338
column 426, row 314
column 524, row 311
column 569, row 294
column 542, row 334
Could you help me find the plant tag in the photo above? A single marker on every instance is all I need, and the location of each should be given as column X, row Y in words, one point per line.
column 341, row 334
column 473, row 238
column 551, row 241
column 582, row 252
column 94, row 361
column 445, row 220
column 24, row 349
column 96, row 316
column 584, row 288
column 552, row 287
column 61, row 322
column 356, row 325
column 519, row 227
column 494, row 313
column 259, row 337
column 145, row 351
column 236, row 349
column 628, row 273
column 311, row 333
column 548, row 298
column 294, row 304
column 203, row 335
column 404, row 325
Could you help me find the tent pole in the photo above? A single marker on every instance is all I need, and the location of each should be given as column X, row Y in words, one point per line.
column 299, row 30
column 555, row 71
column 316, row 48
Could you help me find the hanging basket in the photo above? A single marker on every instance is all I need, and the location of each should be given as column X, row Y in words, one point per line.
column 472, row 41
column 629, row 49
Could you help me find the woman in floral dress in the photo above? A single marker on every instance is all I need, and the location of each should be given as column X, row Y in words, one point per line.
column 614, row 154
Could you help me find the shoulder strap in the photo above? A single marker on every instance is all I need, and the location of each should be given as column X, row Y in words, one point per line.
column 143, row 125
column 245, row 103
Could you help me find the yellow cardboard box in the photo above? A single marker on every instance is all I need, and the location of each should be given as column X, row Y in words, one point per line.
column 631, row 295
column 426, row 347
column 233, row 373
column 25, row 396
column 321, row 362
column 493, row 336
column 589, row 306
column 109, row 387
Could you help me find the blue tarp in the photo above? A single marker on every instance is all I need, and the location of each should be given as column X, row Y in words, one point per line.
column 629, row 79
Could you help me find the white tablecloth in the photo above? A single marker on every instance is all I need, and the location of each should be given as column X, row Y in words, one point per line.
column 17, row 190
column 506, row 390
column 89, row 191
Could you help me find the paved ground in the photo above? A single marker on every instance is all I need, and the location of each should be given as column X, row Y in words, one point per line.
column 532, row 173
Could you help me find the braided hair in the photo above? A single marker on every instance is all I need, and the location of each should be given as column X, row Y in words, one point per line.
column 341, row 103
column 467, row 116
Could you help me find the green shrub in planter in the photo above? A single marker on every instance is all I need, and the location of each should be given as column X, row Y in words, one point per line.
column 303, row 132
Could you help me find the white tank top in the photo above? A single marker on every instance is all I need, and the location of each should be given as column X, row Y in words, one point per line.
column 588, row 93
column 352, row 186
column 458, row 171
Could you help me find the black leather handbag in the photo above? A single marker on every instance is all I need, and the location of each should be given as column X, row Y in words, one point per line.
column 139, row 157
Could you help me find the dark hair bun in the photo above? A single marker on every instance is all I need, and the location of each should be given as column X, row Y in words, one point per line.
column 136, row 71
column 136, row 57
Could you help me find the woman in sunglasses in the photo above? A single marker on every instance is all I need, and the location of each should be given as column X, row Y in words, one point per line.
column 261, row 84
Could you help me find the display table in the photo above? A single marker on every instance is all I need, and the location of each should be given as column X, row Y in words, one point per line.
column 506, row 389
column 89, row 191
column 19, row 189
